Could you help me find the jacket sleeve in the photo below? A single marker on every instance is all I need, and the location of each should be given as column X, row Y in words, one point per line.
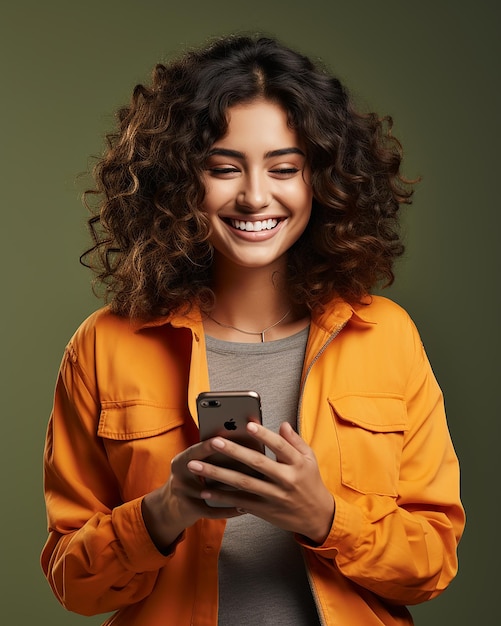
column 98, row 556
column 404, row 548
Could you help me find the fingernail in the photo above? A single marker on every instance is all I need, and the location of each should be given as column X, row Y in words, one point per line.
column 195, row 466
column 218, row 443
column 252, row 427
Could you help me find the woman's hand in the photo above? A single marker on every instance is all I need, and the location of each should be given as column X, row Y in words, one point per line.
column 176, row 505
column 293, row 495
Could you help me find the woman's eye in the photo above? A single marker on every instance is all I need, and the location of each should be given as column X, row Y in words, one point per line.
column 218, row 171
column 285, row 171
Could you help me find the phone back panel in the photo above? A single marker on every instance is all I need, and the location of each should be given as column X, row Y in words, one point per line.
column 226, row 414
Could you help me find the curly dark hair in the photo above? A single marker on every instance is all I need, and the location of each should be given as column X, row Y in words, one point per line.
column 151, row 239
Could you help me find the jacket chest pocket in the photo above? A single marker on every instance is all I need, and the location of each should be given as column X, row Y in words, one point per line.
column 370, row 431
column 141, row 440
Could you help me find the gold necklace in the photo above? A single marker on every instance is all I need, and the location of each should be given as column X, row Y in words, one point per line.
column 250, row 332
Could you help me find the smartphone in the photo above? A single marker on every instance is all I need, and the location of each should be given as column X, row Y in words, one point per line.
column 226, row 414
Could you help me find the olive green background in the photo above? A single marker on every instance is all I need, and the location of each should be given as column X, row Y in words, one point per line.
column 434, row 66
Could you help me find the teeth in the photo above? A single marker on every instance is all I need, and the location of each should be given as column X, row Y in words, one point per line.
column 254, row 226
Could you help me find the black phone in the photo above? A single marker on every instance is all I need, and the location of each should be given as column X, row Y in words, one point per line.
column 226, row 414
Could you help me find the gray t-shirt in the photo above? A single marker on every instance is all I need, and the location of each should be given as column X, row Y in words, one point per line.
column 262, row 575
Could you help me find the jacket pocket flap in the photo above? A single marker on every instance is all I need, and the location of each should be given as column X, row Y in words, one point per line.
column 376, row 413
column 136, row 421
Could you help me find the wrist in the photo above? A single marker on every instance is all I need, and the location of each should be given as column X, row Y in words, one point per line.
column 319, row 534
column 161, row 527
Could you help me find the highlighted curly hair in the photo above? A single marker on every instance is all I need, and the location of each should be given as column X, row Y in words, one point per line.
column 151, row 245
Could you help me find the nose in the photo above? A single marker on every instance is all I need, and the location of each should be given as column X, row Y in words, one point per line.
column 255, row 192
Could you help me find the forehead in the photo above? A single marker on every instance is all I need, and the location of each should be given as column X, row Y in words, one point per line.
column 259, row 123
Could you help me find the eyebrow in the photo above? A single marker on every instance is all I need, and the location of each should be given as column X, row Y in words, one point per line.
column 241, row 155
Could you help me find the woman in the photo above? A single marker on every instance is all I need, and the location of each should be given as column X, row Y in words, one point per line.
column 246, row 212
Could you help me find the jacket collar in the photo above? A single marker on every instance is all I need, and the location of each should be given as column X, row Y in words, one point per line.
column 337, row 312
column 191, row 319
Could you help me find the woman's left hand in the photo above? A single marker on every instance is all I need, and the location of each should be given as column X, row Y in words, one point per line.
column 293, row 495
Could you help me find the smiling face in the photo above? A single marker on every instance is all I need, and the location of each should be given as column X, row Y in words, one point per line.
column 258, row 195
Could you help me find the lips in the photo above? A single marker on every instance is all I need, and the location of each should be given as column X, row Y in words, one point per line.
column 257, row 226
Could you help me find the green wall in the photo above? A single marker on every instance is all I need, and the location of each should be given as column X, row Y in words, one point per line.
column 434, row 66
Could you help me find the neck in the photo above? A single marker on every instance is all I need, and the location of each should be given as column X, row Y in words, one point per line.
column 250, row 299
column 254, row 296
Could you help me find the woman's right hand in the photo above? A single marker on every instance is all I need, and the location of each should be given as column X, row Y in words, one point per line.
column 176, row 505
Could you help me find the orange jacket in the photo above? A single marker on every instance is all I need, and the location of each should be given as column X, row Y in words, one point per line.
column 371, row 410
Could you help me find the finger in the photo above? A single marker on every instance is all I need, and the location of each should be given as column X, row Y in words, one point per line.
column 216, row 474
column 284, row 451
column 239, row 482
column 290, row 435
column 198, row 451
column 246, row 457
